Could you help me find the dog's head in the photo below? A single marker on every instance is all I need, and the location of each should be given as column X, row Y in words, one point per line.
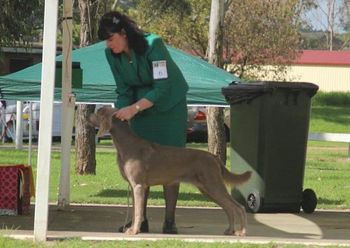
column 102, row 119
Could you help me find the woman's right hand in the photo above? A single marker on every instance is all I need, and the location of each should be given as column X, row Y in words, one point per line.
column 126, row 113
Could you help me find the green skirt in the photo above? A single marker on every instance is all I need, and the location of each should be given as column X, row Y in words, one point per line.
column 164, row 128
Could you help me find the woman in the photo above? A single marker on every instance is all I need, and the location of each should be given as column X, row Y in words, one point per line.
column 151, row 93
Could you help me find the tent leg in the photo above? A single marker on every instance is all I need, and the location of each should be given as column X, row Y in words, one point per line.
column 19, row 126
column 46, row 113
column 30, row 135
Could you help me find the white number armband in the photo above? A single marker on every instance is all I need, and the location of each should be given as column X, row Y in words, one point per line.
column 159, row 69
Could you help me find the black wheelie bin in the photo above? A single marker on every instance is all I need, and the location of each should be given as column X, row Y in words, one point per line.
column 268, row 135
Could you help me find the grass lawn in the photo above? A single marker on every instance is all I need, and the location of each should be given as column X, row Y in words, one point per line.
column 327, row 172
column 11, row 243
column 330, row 119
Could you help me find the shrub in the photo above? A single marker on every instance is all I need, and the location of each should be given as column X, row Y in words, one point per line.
column 332, row 98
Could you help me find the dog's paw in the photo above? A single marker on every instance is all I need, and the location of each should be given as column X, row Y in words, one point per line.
column 229, row 231
column 240, row 233
column 131, row 231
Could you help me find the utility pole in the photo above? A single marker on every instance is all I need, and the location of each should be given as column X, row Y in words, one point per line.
column 215, row 120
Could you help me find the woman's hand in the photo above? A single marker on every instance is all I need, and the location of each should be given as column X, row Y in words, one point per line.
column 126, row 113
column 130, row 111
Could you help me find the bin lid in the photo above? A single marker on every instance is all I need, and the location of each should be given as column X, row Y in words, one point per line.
column 238, row 92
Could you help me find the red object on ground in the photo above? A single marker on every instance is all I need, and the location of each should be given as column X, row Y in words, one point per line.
column 16, row 189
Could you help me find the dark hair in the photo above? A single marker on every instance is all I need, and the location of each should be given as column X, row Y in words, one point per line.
column 115, row 22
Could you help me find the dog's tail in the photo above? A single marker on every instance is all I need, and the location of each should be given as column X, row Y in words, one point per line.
column 235, row 179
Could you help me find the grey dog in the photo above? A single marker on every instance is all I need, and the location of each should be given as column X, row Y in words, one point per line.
column 143, row 164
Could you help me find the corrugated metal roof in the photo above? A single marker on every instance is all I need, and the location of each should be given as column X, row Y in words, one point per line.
column 323, row 57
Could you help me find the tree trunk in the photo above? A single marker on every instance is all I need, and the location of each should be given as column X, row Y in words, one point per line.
column 331, row 19
column 85, row 141
column 216, row 132
column 85, row 137
column 215, row 117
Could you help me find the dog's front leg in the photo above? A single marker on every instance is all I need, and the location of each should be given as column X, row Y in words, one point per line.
column 139, row 198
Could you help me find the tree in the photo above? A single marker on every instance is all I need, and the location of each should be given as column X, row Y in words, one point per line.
column 188, row 32
column 330, row 17
column 85, row 138
column 260, row 33
column 345, row 22
column 215, row 120
column 20, row 21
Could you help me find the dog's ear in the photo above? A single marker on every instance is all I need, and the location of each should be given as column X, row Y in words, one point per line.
column 93, row 120
column 104, row 117
column 101, row 132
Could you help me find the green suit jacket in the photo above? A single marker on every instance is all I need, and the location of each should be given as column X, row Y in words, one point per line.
column 134, row 79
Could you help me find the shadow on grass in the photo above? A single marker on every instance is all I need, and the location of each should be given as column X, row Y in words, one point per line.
column 337, row 115
column 152, row 195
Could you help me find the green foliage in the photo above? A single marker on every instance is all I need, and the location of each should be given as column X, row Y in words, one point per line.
column 332, row 99
column 318, row 40
column 261, row 33
column 313, row 40
column 345, row 39
column 327, row 26
column 183, row 24
column 20, row 21
column 75, row 24
column 1, row 63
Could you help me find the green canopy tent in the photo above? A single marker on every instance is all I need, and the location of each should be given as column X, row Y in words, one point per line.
column 205, row 80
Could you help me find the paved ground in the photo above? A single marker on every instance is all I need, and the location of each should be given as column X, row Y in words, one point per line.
column 202, row 224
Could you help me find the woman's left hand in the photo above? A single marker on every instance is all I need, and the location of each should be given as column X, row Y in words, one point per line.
column 126, row 113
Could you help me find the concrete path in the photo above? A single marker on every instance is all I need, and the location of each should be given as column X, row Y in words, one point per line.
column 100, row 222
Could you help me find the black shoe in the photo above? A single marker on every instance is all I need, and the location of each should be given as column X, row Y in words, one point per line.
column 143, row 227
column 169, row 227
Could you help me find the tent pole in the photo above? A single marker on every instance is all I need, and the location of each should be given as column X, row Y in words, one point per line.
column 68, row 104
column 19, row 126
column 30, row 135
column 46, row 113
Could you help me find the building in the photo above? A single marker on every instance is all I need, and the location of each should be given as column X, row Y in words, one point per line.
column 330, row 70
column 17, row 58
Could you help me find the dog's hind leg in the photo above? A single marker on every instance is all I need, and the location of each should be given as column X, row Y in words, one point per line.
column 218, row 193
column 243, row 217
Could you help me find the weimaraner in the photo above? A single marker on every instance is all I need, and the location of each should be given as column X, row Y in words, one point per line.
column 145, row 164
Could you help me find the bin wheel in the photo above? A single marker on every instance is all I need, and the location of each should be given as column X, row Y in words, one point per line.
column 254, row 201
column 309, row 201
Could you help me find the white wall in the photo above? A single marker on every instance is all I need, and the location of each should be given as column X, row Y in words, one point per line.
column 328, row 78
